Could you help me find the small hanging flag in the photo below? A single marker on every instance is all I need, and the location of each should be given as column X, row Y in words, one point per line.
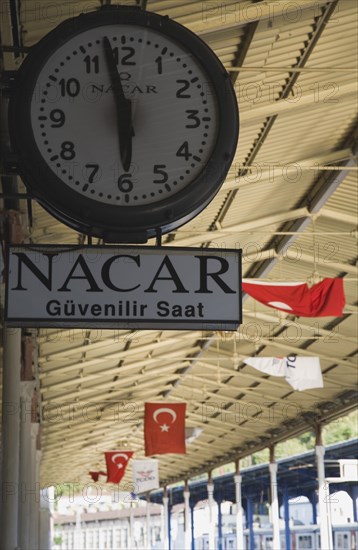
column 164, row 428
column 116, row 462
column 145, row 475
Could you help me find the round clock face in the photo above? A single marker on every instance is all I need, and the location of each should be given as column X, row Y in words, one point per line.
column 125, row 123
column 174, row 115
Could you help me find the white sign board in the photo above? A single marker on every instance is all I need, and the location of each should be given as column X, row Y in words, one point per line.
column 123, row 287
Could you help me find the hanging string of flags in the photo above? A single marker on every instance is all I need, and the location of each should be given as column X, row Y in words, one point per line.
column 164, row 432
column 164, row 423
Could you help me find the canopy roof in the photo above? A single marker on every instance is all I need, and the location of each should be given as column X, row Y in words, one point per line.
column 289, row 201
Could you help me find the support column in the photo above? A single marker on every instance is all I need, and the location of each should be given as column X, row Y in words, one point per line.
column 38, row 494
column 77, row 534
column 211, row 525
column 187, row 531
column 220, row 525
column 250, row 524
column 169, row 527
column 166, row 519
column 45, row 522
column 354, row 496
column 130, row 532
column 192, row 528
column 10, row 439
column 27, row 390
column 33, row 491
column 313, row 501
column 286, row 507
column 323, row 496
column 239, row 511
column 148, row 523
column 275, row 515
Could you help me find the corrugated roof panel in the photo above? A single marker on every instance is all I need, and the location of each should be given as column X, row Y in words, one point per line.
column 99, row 367
column 345, row 198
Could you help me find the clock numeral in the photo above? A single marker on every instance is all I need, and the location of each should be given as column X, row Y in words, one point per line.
column 183, row 151
column 158, row 169
column 58, row 118
column 92, row 63
column 71, row 87
column 124, row 183
column 159, row 62
column 192, row 116
column 126, row 58
column 92, row 172
column 186, row 86
column 114, row 52
column 67, row 150
column 130, row 54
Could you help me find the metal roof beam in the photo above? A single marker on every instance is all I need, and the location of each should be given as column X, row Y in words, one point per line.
column 349, row 219
column 267, row 318
column 244, row 226
column 339, row 266
column 146, row 348
column 219, row 15
column 283, row 106
column 324, row 188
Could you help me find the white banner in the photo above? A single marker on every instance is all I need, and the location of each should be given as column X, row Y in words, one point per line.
column 124, row 287
column 145, row 475
column 302, row 373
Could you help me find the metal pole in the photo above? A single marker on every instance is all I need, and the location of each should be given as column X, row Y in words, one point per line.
column 323, row 501
column 313, row 501
column 169, row 528
column 165, row 520
column 27, row 390
column 239, row 512
column 220, row 525
column 33, row 491
column 275, row 516
column 130, row 537
column 10, row 439
column 286, row 505
column 11, row 381
column 354, row 495
column 45, row 521
column 211, row 517
column 192, row 528
column 250, row 523
column 186, row 516
column 77, row 537
column 148, row 522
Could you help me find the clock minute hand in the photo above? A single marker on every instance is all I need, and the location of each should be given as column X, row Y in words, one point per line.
column 123, row 107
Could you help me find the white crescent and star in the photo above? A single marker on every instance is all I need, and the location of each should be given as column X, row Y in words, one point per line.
column 123, row 455
column 162, row 410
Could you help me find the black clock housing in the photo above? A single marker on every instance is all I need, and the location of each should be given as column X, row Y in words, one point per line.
column 108, row 216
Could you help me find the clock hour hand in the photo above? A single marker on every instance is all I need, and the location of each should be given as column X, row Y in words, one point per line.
column 123, row 107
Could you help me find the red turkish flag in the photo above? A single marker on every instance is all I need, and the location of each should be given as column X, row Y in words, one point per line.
column 95, row 475
column 321, row 300
column 164, row 428
column 116, row 462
